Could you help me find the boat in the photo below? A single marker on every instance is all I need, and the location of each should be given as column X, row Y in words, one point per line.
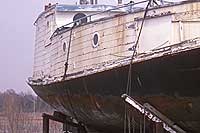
column 87, row 55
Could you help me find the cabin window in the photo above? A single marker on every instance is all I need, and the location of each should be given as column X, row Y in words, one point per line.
column 64, row 46
column 95, row 40
column 79, row 16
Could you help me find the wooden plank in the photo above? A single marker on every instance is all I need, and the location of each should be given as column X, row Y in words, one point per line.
column 99, row 60
column 89, row 53
column 45, row 124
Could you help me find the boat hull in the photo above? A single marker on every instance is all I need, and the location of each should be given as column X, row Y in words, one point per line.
column 170, row 83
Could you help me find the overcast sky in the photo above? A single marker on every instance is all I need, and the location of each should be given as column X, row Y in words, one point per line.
column 17, row 40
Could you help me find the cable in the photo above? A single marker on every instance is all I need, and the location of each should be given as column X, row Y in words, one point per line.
column 125, row 111
column 133, row 125
column 129, row 83
column 144, row 122
column 66, row 63
column 71, row 104
column 129, row 122
column 135, row 46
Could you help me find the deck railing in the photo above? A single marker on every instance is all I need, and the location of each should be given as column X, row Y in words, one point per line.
column 129, row 7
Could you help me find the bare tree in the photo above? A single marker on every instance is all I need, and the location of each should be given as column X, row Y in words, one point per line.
column 22, row 113
column 12, row 109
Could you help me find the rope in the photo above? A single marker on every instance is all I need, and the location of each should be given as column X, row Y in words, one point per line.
column 71, row 104
column 129, row 123
column 129, row 81
column 66, row 63
column 125, row 114
column 144, row 122
column 133, row 125
column 134, row 50
column 64, row 76
column 135, row 46
column 140, row 125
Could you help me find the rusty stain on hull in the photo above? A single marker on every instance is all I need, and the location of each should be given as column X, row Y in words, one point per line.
column 96, row 99
column 165, row 71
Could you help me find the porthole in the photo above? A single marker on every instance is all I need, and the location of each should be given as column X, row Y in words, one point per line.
column 95, row 40
column 64, row 46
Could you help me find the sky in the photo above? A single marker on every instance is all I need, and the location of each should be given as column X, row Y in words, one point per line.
column 17, row 40
column 17, row 34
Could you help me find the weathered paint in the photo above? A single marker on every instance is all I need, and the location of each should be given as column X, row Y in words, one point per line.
column 117, row 35
column 164, row 82
column 47, row 55
column 96, row 77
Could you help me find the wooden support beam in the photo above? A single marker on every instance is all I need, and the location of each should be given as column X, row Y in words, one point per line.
column 159, row 128
column 59, row 117
column 164, row 118
column 45, row 124
column 65, row 127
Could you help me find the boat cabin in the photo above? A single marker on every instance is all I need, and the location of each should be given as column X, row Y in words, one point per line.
column 59, row 15
column 77, row 40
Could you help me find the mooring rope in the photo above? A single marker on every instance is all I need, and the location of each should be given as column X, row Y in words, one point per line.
column 127, row 116
column 68, row 51
column 144, row 122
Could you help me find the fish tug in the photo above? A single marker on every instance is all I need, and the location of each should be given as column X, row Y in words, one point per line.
column 129, row 68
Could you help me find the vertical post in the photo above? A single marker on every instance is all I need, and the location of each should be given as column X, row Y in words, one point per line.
column 159, row 128
column 81, row 128
column 45, row 124
column 64, row 127
column 151, row 127
column 92, row 2
column 140, row 125
column 144, row 122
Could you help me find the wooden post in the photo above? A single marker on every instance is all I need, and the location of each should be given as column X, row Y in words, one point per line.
column 159, row 128
column 67, row 123
column 45, row 124
column 65, row 127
